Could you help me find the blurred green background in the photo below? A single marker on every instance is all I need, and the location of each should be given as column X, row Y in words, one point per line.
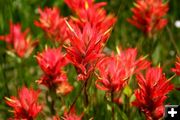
column 164, row 48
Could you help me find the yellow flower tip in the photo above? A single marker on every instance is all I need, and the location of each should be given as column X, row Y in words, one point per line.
column 86, row 5
column 107, row 31
column 172, row 77
column 9, row 99
column 73, row 18
column 144, row 57
column 136, row 5
column 159, row 65
column 12, row 111
column 118, row 49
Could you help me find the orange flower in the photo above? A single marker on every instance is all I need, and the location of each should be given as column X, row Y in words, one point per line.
column 25, row 106
column 148, row 15
column 151, row 94
column 21, row 43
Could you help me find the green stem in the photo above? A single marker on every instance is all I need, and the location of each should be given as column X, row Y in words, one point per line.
column 172, row 40
column 3, row 67
column 112, row 107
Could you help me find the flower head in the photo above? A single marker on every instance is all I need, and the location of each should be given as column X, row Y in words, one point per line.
column 152, row 91
column 85, row 48
column 20, row 42
column 115, row 70
column 25, row 105
column 72, row 115
column 51, row 62
column 148, row 15
column 91, row 12
column 112, row 76
column 130, row 62
column 52, row 23
column 177, row 66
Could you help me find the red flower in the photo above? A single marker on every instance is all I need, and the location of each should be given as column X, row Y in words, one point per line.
column 116, row 70
column 91, row 12
column 52, row 23
column 69, row 116
column 148, row 15
column 129, row 61
column 151, row 94
column 177, row 67
column 112, row 75
column 25, row 106
column 72, row 115
column 20, row 41
column 51, row 62
column 85, row 48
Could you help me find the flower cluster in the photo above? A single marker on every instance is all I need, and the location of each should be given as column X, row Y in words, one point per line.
column 25, row 106
column 20, row 42
column 52, row 23
column 51, row 62
column 151, row 94
column 81, row 39
column 148, row 15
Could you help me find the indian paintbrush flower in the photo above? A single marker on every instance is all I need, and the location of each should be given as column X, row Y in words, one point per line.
column 52, row 23
column 85, row 48
column 93, row 13
column 115, row 70
column 152, row 93
column 51, row 61
column 19, row 41
column 148, row 15
column 177, row 67
column 25, row 106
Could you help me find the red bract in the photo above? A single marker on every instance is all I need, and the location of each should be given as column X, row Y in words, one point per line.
column 52, row 23
column 25, row 106
column 85, row 48
column 115, row 70
column 20, row 41
column 72, row 115
column 151, row 94
column 51, row 62
column 112, row 75
column 91, row 12
column 128, row 60
column 148, row 15
column 177, row 66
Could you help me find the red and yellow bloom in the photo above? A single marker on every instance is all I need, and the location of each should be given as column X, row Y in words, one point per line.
column 26, row 105
column 151, row 94
column 148, row 15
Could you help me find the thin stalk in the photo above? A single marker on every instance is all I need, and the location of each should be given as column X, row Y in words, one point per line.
column 172, row 40
column 3, row 67
column 112, row 107
column 74, row 101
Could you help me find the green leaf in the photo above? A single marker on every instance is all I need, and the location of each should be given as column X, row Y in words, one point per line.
column 127, row 91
